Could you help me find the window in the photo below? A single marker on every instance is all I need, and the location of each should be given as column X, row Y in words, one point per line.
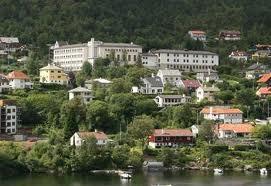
column 167, row 54
column 129, row 57
column 8, row 110
column 52, row 71
column 134, row 57
column 13, row 117
column 59, row 71
column 8, row 124
column 13, row 123
column 167, row 60
column 8, row 117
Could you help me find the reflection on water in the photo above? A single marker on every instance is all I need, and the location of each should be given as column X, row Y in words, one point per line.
column 183, row 178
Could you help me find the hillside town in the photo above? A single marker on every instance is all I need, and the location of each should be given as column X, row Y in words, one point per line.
column 120, row 98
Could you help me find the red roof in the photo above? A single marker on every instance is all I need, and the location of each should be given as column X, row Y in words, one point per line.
column 172, row 132
column 17, row 75
column 97, row 135
column 191, row 83
column 236, row 128
column 220, row 110
column 198, row 32
column 264, row 78
column 239, row 53
column 264, row 91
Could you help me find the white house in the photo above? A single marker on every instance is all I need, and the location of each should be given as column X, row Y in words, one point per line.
column 233, row 130
column 197, row 35
column 224, row 114
column 149, row 60
column 79, row 138
column 81, row 92
column 9, row 119
column 19, row 80
column 211, row 75
column 151, row 85
column 171, row 100
column 72, row 57
column 172, row 77
column 207, row 93
column 239, row 55
column 186, row 60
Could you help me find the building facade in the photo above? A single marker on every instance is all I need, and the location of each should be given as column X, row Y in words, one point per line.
column 52, row 74
column 233, row 130
column 9, row 44
column 211, row 75
column 19, row 80
column 222, row 114
column 170, row 138
column 187, row 60
column 151, row 85
column 239, row 55
column 197, row 35
column 170, row 76
column 207, row 93
column 149, row 60
column 10, row 117
column 80, row 137
column 82, row 93
column 72, row 57
column 4, row 84
column 230, row 35
column 171, row 100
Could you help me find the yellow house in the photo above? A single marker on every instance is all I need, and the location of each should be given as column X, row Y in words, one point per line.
column 53, row 74
column 261, row 54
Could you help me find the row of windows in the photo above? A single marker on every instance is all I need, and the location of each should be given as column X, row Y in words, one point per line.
column 11, row 110
column 189, row 55
column 70, row 62
column 173, row 100
column 121, row 50
column 68, row 50
column 69, row 56
column 9, row 124
column 187, row 60
column 8, row 117
column 189, row 67
column 52, row 71
column 128, row 57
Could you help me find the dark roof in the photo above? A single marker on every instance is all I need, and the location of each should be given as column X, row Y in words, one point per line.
column 62, row 43
column 154, row 81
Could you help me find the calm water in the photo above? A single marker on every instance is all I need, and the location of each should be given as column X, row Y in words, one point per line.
column 193, row 178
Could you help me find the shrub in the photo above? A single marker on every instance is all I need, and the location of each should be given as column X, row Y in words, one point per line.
column 242, row 147
column 217, row 148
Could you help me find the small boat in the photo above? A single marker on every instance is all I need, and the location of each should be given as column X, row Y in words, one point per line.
column 218, row 171
column 125, row 176
column 263, row 171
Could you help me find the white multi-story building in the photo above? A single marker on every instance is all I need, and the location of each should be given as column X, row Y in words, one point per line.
column 172, row 77
column 72, row 57
column 224, row 114
column 186, row 60
column 9, row 113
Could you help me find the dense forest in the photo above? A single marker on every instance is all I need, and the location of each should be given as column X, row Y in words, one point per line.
column 151, row 23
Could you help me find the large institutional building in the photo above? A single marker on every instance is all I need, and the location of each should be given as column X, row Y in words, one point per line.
column 183, row 60
column 72, row 57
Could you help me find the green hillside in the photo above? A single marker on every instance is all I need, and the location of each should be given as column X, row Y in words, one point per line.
column 152, row 23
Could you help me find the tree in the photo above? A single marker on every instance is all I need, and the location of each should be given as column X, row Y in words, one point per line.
column 263, row 132
column 183, row 116
column 141, row 127
column 246, row 97
column 120, row 85
column 98, row 116
column 86, row 69
column 145, row 106
column 120, row 156
column 80, row 79
column 32, row 66
column 72, row 114
column 225, row 96
column 206, row 130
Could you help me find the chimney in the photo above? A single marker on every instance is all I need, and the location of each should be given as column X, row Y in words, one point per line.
column 211, row 110
column 152, row 74
column 95, row 130
column 163, row 131
column 132, row 43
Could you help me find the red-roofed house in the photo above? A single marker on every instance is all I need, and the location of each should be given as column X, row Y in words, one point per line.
column 229, row 35
column 266, row 79
column 79, row 137
column 190, row 85
column 197, row 35
column 170, row 138
column 225, row 114
column 233, row 130
column 264, row 91
column 19, row 80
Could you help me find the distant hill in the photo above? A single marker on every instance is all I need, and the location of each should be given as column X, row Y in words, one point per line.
column 152, row 23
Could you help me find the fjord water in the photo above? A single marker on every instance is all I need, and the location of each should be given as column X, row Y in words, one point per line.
column 187, row 178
